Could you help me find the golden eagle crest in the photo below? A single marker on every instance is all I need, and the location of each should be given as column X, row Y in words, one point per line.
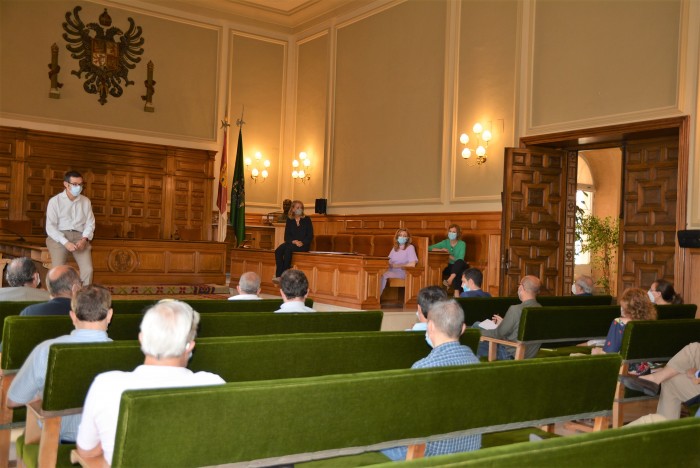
column 105, row 60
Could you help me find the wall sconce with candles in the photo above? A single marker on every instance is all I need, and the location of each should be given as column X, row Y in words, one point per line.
column 301, row 170
column 255, row 172
column 481, row 140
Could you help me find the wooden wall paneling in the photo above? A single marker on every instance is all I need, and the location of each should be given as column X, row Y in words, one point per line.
column 691, row 277
column 649, row 230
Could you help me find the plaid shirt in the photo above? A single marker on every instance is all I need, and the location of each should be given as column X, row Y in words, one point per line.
column 450, row 354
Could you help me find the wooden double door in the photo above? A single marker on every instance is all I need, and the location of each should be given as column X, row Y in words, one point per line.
column 539, row 208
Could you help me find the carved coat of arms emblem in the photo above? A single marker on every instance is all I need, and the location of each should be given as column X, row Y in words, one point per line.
column 104, row 55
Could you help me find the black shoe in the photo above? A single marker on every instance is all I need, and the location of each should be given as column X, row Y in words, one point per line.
column 641, row 385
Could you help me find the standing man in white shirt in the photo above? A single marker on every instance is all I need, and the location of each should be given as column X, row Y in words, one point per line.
column 70, row 225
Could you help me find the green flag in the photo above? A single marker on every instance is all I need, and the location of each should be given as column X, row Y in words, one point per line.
column 237, row 214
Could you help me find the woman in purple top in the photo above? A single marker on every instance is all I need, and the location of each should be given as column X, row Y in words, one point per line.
column 403, row 255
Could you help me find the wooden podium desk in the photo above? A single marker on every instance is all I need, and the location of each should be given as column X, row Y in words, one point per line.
column 133, row 261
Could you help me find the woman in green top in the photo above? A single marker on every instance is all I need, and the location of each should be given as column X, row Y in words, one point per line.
column 452, row 274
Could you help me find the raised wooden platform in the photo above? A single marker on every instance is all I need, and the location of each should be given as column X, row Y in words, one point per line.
column 132, row 261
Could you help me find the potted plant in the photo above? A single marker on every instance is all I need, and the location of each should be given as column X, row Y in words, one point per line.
column 600, row 237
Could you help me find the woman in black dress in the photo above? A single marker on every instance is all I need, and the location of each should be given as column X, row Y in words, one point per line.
column 298, row 234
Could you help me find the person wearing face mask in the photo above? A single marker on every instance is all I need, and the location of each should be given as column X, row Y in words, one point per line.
column 583, row 286
column 298, row 234
column 445, row 326
column 402, row 255
column 507, row 327
column 453, row 245
column 471, row 284
column 427, row 298
column 70, row 225
column 661, row 292
column 23, row 282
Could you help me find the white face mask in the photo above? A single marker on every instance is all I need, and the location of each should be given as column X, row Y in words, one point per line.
column 573, row 289
column 651, row 296
column 427, row 340
column 452, row 235
column 75, row 190
column 298, row 212
column 402, row 240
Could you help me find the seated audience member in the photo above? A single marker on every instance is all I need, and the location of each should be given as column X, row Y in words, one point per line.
column 456, row 248
column 91, row 313
column 402, row 255
column 471, row 284
column 294, row 288
column 661, row 292
column 298, row 234
column 24, row 282
column 445, row 326
column 678, row 382
column 427, row 297
column 168, row 330
column 634, row 305
column 507, row 328
column 60, row 282
column 583, row 286
column 248, row 287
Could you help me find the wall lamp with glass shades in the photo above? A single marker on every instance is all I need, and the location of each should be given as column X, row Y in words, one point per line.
column 255, row 170
column 301, row 168
column 481, row 141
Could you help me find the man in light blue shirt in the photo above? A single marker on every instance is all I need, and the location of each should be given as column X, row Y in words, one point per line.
column 91, row 313
column 294, row 287
column 426, row 298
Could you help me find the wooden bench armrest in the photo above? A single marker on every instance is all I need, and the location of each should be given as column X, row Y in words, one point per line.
column 91, row 462
column 493, row 342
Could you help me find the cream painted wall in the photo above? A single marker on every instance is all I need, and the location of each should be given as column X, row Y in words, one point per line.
column 311, row 111
column 603, row 58
column 486, row 92
column 257, row 83
column 387, row 122
column 186, row 73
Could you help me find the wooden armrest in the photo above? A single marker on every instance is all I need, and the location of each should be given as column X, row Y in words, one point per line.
column 519, row 347
column 91, row 462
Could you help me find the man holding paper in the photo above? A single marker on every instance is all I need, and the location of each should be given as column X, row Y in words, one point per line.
column 507, row 328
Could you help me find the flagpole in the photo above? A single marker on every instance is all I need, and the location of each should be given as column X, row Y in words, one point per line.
column 223, row 219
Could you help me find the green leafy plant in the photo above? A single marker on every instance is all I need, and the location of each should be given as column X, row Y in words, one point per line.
column 600, row 237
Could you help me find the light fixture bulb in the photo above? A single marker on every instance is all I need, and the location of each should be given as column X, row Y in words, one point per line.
column 295, row 174
column 480, row 151
column 486, row 136
column 477, row 128
column 264, row 174
column 466, row 153
column 302, row 155
column 295, row 163
column 266, row 163
column 464, row 138
column 255, row 172
column 302, row 174
column 247, row 161
column 258, row 155
column 307, row 162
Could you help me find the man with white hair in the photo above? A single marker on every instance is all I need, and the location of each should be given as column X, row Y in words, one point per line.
column 583, row 286
column 248, row 287
column 23, row 281
column 167, row 337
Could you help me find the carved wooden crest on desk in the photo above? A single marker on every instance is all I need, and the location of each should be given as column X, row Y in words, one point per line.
column 105, row 56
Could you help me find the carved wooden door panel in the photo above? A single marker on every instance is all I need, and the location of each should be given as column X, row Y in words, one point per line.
column 648, row 228
column 539, row 201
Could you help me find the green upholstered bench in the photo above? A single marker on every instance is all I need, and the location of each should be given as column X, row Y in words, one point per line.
column 676, row 311
column 650, row 340
column 668, row 443
column 73, row 367
column 557, row 324
column 22, row 334
column 477, row 309
column 294, row 420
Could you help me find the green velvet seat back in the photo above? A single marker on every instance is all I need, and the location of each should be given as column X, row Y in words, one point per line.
column 559, row 323
column 22, row 334
column 477, row 309
column 558, row 301
column 658, row 339
column 258, row 420
column 676, row 311
column 72, row 367
column 668, row 443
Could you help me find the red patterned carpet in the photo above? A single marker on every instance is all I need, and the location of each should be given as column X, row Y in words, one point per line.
column 176, row 291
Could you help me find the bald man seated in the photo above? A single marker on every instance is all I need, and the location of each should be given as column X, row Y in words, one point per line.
column 23, row 281
column 61, row 282
column 507, row 327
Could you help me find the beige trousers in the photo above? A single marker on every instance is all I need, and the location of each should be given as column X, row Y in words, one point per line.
column 679, row 388
column 83, row 258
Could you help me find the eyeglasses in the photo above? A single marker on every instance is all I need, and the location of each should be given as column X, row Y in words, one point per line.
column 76, row 185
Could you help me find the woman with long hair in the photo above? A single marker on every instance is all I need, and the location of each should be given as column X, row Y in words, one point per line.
column 298, row 234
column 402, row 255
